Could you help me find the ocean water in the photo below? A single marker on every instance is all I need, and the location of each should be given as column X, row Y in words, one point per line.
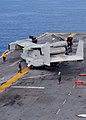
column 21, row 18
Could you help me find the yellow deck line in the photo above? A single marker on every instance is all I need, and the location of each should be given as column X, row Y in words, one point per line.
column 12, row 80
column 71, row 35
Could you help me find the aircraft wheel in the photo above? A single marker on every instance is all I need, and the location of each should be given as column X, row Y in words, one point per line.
column 31, row 67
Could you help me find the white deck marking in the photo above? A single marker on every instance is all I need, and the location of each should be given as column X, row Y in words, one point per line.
column 38, row 76
column 64, row 102
column 28, row 87
column 74, row 86
column 58, row 111
column 69, row 93
column 14, row 63
column 82, row 115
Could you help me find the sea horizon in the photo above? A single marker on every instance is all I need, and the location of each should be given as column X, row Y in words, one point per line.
column 21, row 18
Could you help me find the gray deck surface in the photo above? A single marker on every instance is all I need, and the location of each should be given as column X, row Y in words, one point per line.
column 55, row 102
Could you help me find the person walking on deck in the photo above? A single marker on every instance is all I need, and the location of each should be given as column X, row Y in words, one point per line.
column 59, row 77
column 19, row 68
column 4, row 57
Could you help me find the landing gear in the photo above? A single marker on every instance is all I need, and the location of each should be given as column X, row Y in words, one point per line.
column 31, row 66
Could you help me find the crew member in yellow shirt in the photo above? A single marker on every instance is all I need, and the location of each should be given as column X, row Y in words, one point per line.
column 4, row 57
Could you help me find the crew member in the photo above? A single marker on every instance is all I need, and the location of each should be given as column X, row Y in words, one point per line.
column 59, row 77
column 4, row 57
column 19, row 68
column 69, row 43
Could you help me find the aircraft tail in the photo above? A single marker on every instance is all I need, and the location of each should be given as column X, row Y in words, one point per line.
column 79, row 51
column 47, row 54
